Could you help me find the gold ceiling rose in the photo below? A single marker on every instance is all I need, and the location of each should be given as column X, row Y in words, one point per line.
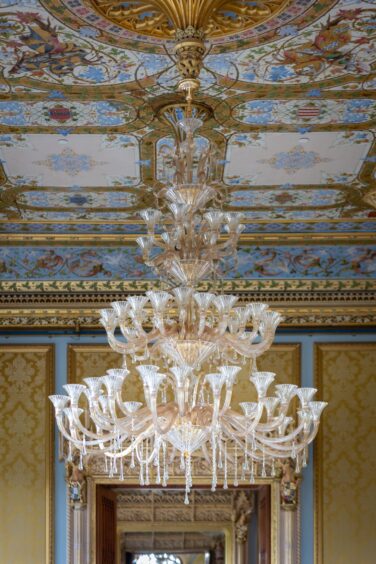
column 189, row 22
column 161, row 18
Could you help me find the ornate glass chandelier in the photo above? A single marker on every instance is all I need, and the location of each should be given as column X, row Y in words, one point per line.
column 188, row 347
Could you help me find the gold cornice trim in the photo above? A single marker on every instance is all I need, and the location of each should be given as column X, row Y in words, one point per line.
column 119, row 239
column 79, row 318
column 109, row 286
column 137, row 222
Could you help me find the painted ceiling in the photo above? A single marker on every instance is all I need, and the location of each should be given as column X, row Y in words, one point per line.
column 292, row 112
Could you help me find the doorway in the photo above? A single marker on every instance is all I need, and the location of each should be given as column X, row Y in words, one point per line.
column 154, row 526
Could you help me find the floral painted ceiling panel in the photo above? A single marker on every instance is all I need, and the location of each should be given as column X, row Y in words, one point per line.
column 280, row 158
column 81, row 160
column 292, row 110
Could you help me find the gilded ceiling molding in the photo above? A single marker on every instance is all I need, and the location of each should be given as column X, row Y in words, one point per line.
column 95, row 239
column 147, row 30
column 238, row 286
column 161, row 18
column 75, row 304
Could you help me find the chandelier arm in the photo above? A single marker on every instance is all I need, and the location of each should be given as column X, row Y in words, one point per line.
column 98, row 417
column 158, row 323
column 205, row 416
column 73, row 439
column 195, row 390
column 227, row 401
column 285, row 438
column 124, row 329
column 108, row 426
column 132, row 446
column 256, row 420
column 246, row 349
column 236, row 440
column 117, row 422
column 139, row 328
column 62, row 429
column 251, row 335
column 246, row 424
column 215, row 415
column 272, row 451
column 308, row 439
column 118, row 346
column 283, row 452
column 171, row 417
column 133, row 346
column 82, row 428
column 272, row 426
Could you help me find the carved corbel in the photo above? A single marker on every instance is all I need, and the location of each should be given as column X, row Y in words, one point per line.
column 289, row 484
column 76, row 480
column 244, row 505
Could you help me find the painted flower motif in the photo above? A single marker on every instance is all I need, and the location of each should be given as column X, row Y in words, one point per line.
column 287, row 30
column 64, row 131
column 87, row 31
column 78, row 200
column 56, row 94
column 284, row 198
column 314, row 93
column 295, row 159
column 94, row 74
column 280, row 73
column 249, row 75
column 70, row 162
column 257, row 111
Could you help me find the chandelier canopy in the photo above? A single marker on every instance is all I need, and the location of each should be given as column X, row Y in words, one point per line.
column 188, row 346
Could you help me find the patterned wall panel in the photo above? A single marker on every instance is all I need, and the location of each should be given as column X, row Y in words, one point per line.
column 345, row 486
column 26, row 440
column 94, row 360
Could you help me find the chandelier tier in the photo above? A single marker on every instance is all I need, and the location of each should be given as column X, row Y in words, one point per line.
column 188, row 347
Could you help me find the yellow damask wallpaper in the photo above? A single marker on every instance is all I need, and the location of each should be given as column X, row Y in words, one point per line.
column 345, row 475
column 26, row 440
column 94, row 360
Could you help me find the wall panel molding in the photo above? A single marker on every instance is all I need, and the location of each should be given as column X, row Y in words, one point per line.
column 26, row 462
column 344, row 484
